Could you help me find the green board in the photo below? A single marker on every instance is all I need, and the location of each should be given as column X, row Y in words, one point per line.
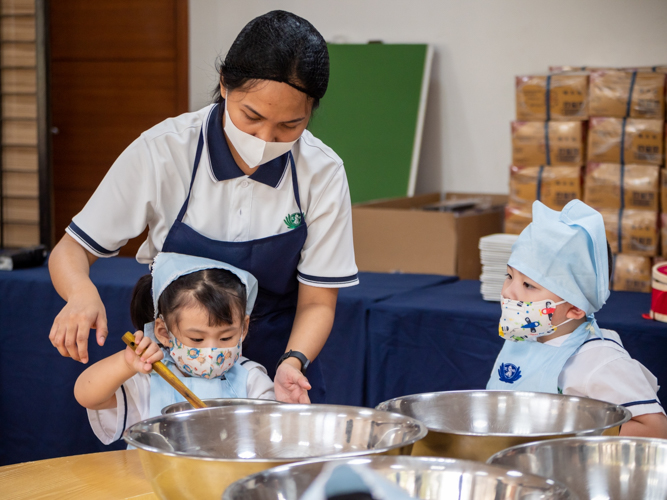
column 372, row 115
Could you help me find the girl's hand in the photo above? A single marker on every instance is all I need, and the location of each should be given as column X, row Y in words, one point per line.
column 147, row 352
column 290, row 384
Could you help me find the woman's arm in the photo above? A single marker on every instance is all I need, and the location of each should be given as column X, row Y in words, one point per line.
column 649, row 425
column 315, row 312
column 69, row 265
column 96, row 387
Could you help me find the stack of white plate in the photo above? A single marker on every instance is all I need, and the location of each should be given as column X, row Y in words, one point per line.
column 495, row 251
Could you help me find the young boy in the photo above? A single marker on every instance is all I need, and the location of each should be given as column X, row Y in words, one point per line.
column 557, row 278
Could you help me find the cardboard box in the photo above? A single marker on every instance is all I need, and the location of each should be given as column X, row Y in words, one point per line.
column 517, row 218
column 641, row 186
column 642, row 140
column 649, row 69
column 571, row 69
column 610, row 92
column 398, row 235
column 568, row 97
column 632, row 273
column 639, row 231
column 553, row 186
column 566, row 143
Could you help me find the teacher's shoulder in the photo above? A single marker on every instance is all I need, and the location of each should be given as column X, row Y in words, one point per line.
column 185, row 126
column 172, row 143
column 316, row 160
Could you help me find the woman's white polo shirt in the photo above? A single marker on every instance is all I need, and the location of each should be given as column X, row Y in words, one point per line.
column 148, row 183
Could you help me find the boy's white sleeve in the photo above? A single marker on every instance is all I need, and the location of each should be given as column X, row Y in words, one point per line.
column 612, row 376
column 259, row 385
column 132, row 406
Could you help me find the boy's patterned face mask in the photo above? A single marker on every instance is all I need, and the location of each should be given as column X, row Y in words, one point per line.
column 527, row 320
column 205, row 362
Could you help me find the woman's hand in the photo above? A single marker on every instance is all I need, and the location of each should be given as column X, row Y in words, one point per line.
column 69, row 265
column 84, row 310
column 146, row 353
column 291, row 385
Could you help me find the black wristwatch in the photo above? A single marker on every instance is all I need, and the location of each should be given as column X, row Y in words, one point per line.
column 305, row 362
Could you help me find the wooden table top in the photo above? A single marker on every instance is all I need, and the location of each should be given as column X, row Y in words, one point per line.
column 109, row 475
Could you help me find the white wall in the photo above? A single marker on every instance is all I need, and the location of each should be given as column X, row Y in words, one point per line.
column 480, row 45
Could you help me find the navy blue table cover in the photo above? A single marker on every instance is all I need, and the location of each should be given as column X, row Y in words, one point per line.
column 39, row 416
column 446, row 338
column 344, row 356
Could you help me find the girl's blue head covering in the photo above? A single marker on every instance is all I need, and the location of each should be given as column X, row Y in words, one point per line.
column 566, row 253
column 168, row 267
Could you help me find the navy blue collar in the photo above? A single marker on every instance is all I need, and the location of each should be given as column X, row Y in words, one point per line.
column 223, row 165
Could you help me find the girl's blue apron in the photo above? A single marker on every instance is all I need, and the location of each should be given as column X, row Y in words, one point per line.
column 233, row 384
column 534, row 366
column 273, row 261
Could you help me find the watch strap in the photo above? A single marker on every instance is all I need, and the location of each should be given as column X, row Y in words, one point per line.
column 305, row 362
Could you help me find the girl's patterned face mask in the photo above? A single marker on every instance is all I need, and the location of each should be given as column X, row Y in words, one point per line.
column 527, row 320
column 205, row 362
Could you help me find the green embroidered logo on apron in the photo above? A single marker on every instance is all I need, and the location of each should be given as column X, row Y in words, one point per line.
column 293, row 221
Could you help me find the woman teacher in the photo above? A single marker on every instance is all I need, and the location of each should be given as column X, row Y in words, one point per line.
column 240, row 181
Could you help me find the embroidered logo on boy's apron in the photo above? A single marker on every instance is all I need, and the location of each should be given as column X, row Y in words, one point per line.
column 293, row 221
column 509, row 373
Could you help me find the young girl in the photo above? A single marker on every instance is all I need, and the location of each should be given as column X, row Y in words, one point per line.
column 557, row 278
column 195, row 322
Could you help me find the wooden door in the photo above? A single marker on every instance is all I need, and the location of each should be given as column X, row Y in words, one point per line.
column 118, row 67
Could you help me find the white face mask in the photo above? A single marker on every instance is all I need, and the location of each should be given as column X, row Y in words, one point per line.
column 254, row 150
column 205, row 362
column 527, row 320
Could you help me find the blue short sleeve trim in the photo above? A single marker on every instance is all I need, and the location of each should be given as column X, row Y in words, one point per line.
column 91, row 243
column 320, row 280
column 125, row 408
column 645, row 402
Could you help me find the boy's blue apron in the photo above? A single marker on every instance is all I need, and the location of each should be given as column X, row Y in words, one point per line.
column 273, row 261
column 534, row 366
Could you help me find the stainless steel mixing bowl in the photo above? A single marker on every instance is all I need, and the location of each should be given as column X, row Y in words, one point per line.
column 474, row 425
column 597, row 468
column 198, row 453
column 427, row 478
column 216, row 403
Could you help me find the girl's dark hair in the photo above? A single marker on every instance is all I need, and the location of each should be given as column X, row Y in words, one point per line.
column 277, row 46
column 218, row 291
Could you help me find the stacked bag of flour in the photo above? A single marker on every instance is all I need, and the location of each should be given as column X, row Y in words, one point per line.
column 548, row 144
column 622, row 181
column 611, row 121
column 495, row 251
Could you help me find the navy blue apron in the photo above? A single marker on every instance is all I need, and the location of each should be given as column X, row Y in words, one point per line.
column 273, row 261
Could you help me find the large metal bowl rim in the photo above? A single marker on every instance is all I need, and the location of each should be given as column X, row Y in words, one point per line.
column 627, row 415
column 491, row 468
column 239, row 402
column 283, row 407
column 577, row 439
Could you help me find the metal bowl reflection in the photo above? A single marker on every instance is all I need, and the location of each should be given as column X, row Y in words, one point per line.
column 198, row 453
column 216, row 403
column 426, row 478
column 596, row 467
column 474, row 425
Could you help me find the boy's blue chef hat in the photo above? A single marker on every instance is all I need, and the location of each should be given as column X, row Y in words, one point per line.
column 168, row 267
column 566, row 253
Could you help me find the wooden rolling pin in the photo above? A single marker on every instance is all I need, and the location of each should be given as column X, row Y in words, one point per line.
column 166, row 374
